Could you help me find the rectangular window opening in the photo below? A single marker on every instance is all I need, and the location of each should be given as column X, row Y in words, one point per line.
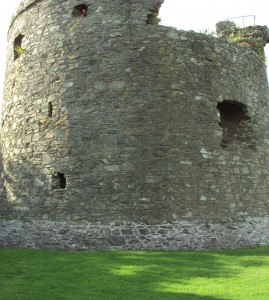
column 152, row 18
column 235, row 124
column 17, row 46
column 50, row 109
column 80, row 10
column 59, row 181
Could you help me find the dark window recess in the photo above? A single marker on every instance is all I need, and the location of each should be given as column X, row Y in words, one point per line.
column 236, row 124
column 50, row 109
column 80, row 10
column 18, row 50
column 153, row 16
column 59, row 181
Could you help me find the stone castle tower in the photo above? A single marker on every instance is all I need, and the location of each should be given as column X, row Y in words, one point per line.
column 121, row 133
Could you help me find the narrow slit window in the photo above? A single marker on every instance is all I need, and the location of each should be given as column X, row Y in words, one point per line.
column 50, row 109
column 59, row 181
column 152, row 18
column 80, row 10
column 18, row 49
column 235, row 124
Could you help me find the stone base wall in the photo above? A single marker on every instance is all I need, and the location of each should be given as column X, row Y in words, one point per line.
column 198, row 235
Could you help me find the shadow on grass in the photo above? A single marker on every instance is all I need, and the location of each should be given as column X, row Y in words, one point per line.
column 182, row 296
column 257, row 251
column 247, row 257
column 114, row 275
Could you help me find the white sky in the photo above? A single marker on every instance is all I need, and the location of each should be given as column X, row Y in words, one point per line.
column 197, row 15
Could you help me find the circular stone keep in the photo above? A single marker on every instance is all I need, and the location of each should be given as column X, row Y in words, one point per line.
column 121, row 133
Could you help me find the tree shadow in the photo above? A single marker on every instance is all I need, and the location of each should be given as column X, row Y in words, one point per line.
column 183, row 296
column 246, row 257
column 250, row 251
column 119, row 275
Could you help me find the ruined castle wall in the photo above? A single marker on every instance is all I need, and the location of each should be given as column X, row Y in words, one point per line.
column 118, row 133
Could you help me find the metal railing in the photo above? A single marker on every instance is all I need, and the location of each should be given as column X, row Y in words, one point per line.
column 243, row 19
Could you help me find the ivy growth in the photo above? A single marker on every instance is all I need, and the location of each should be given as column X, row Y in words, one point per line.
column 19, row 50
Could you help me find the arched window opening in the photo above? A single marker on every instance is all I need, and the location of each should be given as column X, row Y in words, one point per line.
column 152, row 18
column 235, row 124
column 59, row 181
column 17, row 46
column 80, row 10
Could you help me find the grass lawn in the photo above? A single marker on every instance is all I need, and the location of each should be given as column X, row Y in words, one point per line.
column 115, row 275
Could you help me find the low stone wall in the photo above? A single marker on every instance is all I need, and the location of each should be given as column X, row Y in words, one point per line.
column 129, row 235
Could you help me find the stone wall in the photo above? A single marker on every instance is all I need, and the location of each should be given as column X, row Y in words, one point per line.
column 254, row 37
column 186, row 234
column 120, row 133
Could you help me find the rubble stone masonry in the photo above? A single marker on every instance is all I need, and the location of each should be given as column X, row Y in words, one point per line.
column 121, row 133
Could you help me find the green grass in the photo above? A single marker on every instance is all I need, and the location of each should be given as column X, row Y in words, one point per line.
column 140, row 275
